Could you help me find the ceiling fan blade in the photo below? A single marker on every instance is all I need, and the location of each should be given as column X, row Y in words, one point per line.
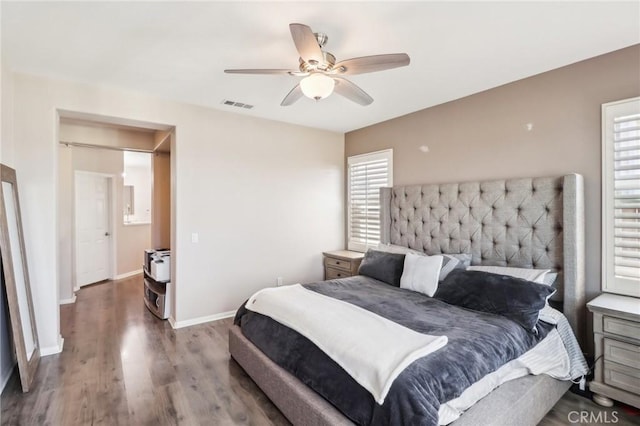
column 259, row 71
column 306, row 42
column 293, row 96
column 352, row 92
column 371, row 63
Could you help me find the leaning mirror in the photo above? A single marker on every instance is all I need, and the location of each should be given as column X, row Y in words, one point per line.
column 16, row 278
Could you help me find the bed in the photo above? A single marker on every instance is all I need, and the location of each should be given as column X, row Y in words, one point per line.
column 526, row 223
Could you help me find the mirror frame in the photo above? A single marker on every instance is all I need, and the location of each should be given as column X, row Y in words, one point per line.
column 26, row 367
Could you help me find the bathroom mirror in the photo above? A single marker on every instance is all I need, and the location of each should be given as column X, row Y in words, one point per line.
column 137, row 181
column 16, row 278
column 128, row 202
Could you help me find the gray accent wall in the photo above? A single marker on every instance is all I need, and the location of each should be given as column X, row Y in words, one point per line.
column 485, row 136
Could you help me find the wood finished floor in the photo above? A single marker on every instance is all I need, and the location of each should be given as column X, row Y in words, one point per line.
column 123, row 366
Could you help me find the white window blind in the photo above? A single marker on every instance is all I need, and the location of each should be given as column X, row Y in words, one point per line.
column 621, row 197
column 366, row 174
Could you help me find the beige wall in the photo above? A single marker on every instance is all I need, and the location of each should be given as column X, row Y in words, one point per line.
column 131, row 240
column 6, row 115
column 71, row 131
column 485, row 136
column 266, row 198
column 161, row 226
column 5, row 93
column 66, row 277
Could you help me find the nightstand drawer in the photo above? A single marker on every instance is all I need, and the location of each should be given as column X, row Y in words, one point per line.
column 616, row 332
column 622, row 377
column 331, row 262
column 622, row 353
column 341, row 263
column 621, row 327
column 332, row 273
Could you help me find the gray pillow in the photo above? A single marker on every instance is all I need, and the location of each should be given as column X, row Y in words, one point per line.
column 514, row 298
column 383, row 266
column 464, row 258
column 449, row 261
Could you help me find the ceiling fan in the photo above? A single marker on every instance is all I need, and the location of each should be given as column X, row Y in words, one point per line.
column 322, row 74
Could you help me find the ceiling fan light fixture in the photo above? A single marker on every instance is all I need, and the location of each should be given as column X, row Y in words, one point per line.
column 317, row 86
column 323, row 75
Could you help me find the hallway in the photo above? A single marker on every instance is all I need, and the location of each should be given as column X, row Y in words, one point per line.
column 123, row 366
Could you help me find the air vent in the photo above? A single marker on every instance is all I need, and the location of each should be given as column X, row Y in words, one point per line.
column 236, row 104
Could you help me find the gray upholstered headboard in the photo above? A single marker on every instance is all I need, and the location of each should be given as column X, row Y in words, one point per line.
column 526, row 223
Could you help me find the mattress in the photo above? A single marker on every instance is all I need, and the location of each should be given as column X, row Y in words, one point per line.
column 298, row 356
column 548, row 357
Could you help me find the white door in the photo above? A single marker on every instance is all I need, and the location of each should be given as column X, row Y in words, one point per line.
column 93, row 233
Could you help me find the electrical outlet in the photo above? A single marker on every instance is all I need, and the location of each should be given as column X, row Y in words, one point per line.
column 278, row 281
column 195, row 237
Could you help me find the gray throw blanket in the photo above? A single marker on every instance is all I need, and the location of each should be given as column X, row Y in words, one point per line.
column 479, row 343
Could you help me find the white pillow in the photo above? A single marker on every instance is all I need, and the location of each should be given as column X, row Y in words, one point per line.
column 421, row 273
column 535, row 275
column 449, row 261
column 550, row 278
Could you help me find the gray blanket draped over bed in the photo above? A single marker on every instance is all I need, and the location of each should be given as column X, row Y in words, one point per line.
column 479, row 343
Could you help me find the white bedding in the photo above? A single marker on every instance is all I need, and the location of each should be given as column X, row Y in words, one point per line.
column 557, row 355
column 371, row 349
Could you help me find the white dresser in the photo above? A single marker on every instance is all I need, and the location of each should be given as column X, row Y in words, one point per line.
column 616, row 329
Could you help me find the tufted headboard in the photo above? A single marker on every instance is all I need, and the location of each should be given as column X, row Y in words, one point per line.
column 526, row 223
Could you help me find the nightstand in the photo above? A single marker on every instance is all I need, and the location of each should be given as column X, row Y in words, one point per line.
column 341, row 263
column 616, row 330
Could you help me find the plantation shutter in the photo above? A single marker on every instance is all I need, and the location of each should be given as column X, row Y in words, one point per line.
column 622, row 202
column 367, row 173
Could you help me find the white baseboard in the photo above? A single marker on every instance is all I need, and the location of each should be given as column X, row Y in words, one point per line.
column 68, row 301
column 52, row 350
column 200, row 320
column 172, row 322
column 127, row 275
column 76, row 288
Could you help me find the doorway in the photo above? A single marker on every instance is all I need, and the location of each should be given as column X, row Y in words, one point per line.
column 93, row 230
column 98, row 144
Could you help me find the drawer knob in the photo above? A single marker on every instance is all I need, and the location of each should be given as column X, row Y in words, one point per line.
column 337, row 262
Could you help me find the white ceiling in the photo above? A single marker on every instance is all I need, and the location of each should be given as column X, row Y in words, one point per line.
column 178, row 51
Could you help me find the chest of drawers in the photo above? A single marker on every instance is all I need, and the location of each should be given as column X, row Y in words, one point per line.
column 616, row 329
column 341, row 264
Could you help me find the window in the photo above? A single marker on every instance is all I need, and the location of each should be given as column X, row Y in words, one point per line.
column 366, row 174
column 621, row 197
